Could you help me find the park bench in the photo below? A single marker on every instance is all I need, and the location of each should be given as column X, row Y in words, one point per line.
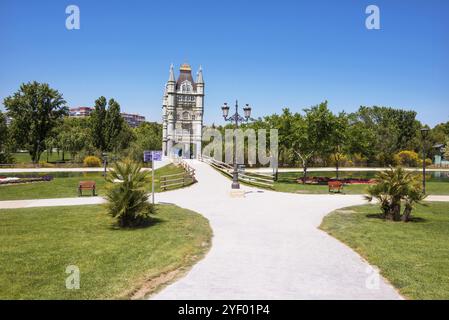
column 86, row 185
column 335, row 186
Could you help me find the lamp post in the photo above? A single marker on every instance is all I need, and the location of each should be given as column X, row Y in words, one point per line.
column 424, row 134
column 236, row 118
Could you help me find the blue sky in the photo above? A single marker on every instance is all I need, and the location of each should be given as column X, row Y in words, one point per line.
column 270, row 54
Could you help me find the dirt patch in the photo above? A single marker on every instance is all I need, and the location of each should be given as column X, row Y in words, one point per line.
column 153, row 284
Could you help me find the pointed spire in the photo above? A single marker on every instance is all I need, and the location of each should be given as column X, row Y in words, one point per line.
column 171, row 78
column 199, row 76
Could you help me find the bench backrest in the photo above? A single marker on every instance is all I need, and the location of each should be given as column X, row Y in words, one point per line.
column 87, row 184
column 335, row 184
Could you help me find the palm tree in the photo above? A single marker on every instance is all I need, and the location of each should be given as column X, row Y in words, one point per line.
column 126, row 197
column 414, row 196
column 393, row 186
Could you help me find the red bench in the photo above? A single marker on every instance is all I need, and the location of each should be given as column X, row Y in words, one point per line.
column 335, row 186
column 86, row 185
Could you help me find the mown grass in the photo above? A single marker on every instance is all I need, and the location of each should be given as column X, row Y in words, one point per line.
column 66, row 185
column 38, row 244
column 24, row 157
column 413, row 256
column 287, row 182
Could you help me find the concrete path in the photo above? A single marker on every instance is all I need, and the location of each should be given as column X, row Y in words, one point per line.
column 16, row 204
column 267, row 246
column 157, row 165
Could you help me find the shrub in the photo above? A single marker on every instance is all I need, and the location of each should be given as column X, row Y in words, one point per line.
column 407, row 158
column 359, row 160
column 92, row 161
column 6, row 158
column 126, row 197
column 394, row 186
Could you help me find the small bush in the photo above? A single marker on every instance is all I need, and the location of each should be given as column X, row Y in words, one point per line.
column 127, row 200
column 407, row 158
column 92, row 161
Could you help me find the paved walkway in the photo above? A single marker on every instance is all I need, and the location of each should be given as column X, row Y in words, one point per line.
column 157, row 165
column 267, row 246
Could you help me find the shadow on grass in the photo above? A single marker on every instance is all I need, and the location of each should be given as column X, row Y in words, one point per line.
column 149, row 223
column 380, row 216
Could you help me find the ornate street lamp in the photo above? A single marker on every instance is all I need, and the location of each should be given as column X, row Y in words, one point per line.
column 236, row 118
column 424, row 134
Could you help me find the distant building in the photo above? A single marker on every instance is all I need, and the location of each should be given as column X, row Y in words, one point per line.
column 80, row 112
column 133, row 119
column 182, row 113
column 439, row 159
column 8, row 120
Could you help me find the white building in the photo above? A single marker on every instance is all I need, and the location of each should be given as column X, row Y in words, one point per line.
column 182, row 113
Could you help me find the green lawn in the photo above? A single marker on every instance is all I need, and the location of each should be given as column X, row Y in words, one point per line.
column 287, row 183
column 37, row 244
column 24, row 157
column 413, row 256
column 66, row 185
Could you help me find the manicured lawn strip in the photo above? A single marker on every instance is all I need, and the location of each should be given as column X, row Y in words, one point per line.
column 65, row 187
column 413, row 256
column 287, row 183
column 24, row 157
column 37, row 245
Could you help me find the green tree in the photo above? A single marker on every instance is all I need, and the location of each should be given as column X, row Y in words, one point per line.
column 114, row 124
column 392, row 130
column 147, row 136
column 72, row 137
column 338, row 138
column 126, row 197
column 35, row 109
column 98, row 123
column 5, row 156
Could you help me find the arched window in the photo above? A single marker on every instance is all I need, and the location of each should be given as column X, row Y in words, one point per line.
column 185, row 115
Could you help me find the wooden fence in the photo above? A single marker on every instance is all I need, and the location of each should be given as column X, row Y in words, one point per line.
column 178, row 179
column 256, row 179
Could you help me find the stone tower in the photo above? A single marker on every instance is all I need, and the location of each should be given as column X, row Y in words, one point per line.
column 182, row 113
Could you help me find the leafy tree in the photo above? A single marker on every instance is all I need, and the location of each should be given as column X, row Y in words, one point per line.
column 407, row 158
column 35, row 109
column 126, row 197
column 98, row 123
column 392, row 130
column 320, row 122
column 72, row 141
column 147, row 136
column 5, row 156
column 114, row 124
column 338, row 138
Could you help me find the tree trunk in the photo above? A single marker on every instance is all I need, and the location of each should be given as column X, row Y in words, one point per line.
column 337, row 165
column 396, row 211
column 407, row 213
column 304, row 176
